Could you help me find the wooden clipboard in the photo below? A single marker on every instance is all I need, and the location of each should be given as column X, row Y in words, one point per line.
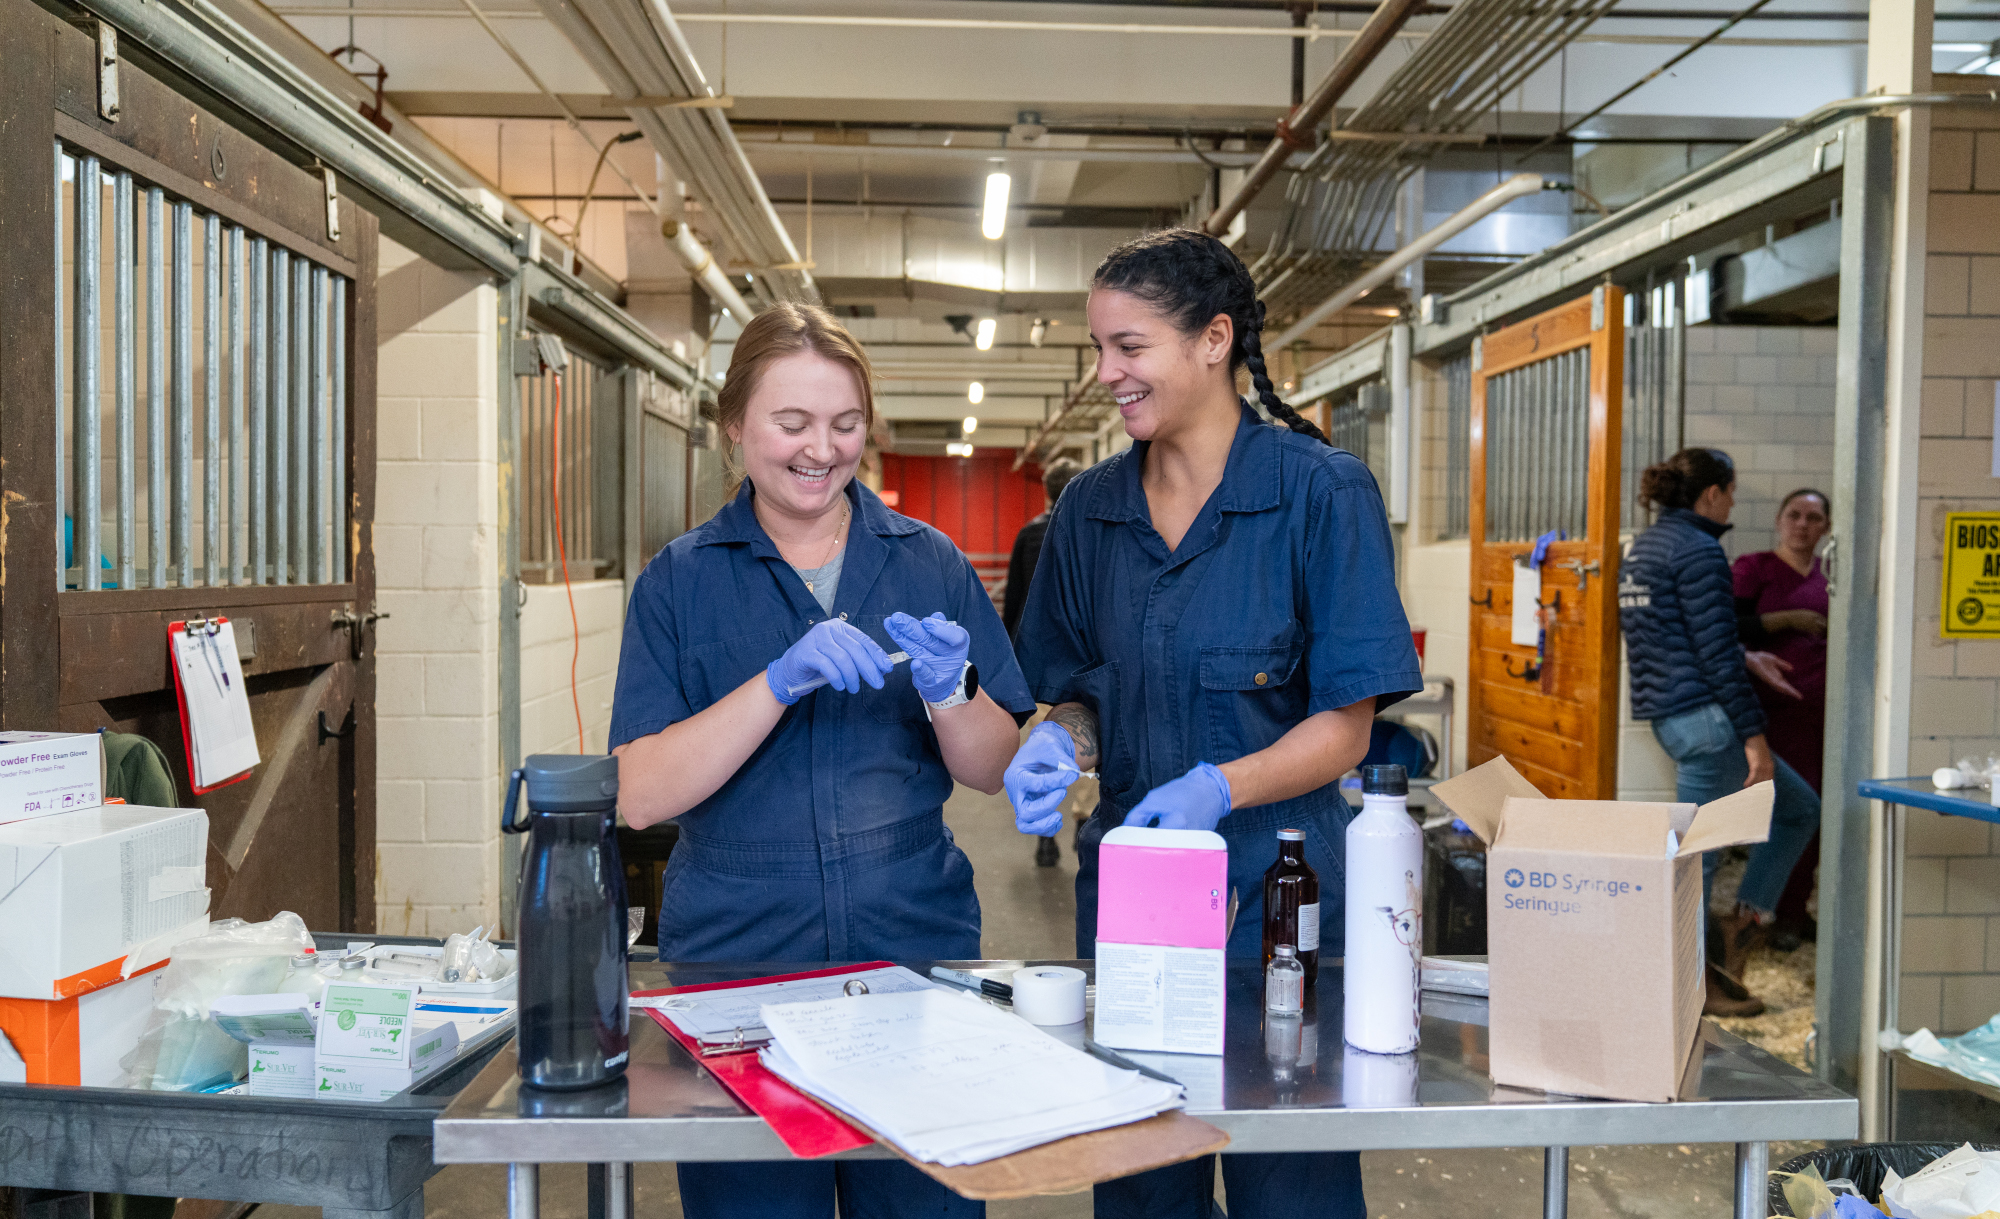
column 1070, row 1165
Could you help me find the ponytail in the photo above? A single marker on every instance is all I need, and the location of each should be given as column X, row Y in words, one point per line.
column 1190, row 277
column 1679, row 481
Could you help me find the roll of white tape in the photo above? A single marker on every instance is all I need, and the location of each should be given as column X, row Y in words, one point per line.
column 1948, row 778
column 1048, row 994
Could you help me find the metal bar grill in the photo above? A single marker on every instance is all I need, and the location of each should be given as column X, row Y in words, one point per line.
column 280, row 421
column 238, row 474
column 239, row 538
column 64, row 410
column 1458, row 448
column 571, row 411
column 125, row 311
column 316, row 479
column 211, row 414
column 156, row 386
column 301, row 423
column 1655, row 359
column 1537, row 442
column 89, row 238
column 183, row 475
column 339, row 352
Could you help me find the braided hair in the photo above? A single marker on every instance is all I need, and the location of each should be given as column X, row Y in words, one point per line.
column 1190, row 277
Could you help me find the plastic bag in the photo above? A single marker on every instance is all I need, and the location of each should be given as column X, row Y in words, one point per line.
column 472, row 958
column 1960, row 1185
column 1975, row 1055
column 182, row 1050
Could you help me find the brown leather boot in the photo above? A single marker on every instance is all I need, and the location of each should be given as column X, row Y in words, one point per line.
column 1742, row 929
column 1725, row 996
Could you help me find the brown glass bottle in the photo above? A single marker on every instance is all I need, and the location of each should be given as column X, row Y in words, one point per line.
column 1291, row 904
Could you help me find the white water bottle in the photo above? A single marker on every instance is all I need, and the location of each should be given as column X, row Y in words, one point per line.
column 1385, row 916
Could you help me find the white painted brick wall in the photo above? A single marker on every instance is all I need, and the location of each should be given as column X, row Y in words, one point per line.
column 548, row 716
column 1764, row 395
column 1951, row 869
column 437, row 527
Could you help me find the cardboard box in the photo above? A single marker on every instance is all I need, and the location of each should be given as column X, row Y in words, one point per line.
column 1162, row 928
column 78, row 1040
column 88, row 899
column 281, row 1068
column 1594, row 954
column 45, row 773
column 430, row 1049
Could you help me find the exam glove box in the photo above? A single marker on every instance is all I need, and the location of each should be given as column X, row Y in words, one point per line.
column 90, row 898
column 46, row 773
column 78, row 1040
column 1162, row 930
column 1594, row 953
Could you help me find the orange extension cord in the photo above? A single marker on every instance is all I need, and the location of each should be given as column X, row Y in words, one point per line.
column 562, row 556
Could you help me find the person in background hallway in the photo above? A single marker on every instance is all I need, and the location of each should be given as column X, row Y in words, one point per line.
column 1781, row 603
column 1020, row 574
column 1028, row 545
column 1677, row 607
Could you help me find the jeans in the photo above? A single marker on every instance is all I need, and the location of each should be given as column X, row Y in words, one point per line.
column 1261, row 1185
column 1709, row 764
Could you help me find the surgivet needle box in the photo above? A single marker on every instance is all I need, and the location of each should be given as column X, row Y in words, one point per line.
column 44, row 773
column 1593, row 930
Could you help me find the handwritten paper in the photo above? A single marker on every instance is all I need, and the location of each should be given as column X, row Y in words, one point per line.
column 222, row 741
column 949, row 1079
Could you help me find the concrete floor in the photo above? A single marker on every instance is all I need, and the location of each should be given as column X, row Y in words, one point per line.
column 1030, row 913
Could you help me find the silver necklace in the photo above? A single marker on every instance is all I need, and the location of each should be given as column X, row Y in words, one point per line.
column 838, row 535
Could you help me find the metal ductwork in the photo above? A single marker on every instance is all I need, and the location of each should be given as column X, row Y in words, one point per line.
column 1340, row 204
column 639, row 54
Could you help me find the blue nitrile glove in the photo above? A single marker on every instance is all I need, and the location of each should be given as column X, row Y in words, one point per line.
column 937, row 651
column 1195, row 801
column 1038, row 776
column 835, row 651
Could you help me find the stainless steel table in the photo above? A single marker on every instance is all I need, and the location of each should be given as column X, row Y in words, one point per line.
column 668, row 1109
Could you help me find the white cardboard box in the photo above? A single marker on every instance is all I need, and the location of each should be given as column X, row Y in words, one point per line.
column 44, row 773
column 430, row 1049
column 78, row 1040
column 281, row 1068
column 90, row 898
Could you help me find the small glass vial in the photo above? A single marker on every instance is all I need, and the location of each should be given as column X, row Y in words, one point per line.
column 1285, row 982
column 304, row 979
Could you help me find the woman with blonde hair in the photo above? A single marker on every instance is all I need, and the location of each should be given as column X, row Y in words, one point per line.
column 757, row 706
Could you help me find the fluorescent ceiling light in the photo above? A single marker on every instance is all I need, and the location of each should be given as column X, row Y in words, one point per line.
column 954, row 449
column 975, row 393
column 984, row 340
column 993, row 220
column 970, row 425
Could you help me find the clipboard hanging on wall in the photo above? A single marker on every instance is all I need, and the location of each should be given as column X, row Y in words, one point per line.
column 214, row 705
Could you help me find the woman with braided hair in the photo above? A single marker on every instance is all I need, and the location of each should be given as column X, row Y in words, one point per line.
column 1215, row 623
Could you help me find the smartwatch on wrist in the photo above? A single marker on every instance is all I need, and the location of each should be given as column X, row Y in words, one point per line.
column 968, row 686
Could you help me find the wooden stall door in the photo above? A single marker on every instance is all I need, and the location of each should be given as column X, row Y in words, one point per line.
column 84, row 623
column 1546, row 456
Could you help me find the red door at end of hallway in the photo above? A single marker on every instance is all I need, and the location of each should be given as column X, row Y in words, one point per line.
column 979, row 502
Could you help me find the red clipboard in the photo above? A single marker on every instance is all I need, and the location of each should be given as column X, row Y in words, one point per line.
column 180, row 701
column 805, row 1127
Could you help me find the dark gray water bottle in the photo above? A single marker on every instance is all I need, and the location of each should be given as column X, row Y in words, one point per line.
column 573, row 991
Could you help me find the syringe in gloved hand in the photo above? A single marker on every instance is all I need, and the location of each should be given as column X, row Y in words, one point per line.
column 807, row 687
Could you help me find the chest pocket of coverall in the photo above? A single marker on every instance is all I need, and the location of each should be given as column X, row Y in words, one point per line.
column 1249, row 696
column 709, row 672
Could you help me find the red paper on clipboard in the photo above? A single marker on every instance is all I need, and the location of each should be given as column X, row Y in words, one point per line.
column 808, row 1129
column 214, row 706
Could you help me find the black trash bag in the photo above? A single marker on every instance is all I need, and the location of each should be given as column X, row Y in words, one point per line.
column 1865, row 1164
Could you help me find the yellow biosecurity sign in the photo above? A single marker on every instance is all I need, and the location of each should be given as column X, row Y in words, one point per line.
column 1972, row 575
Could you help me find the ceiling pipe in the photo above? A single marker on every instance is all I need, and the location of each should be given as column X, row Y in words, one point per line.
column 1513, row 188
column 1295, row 129
column 701, row 264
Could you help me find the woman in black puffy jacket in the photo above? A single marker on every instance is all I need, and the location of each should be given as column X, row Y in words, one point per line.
column 1676, row 604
